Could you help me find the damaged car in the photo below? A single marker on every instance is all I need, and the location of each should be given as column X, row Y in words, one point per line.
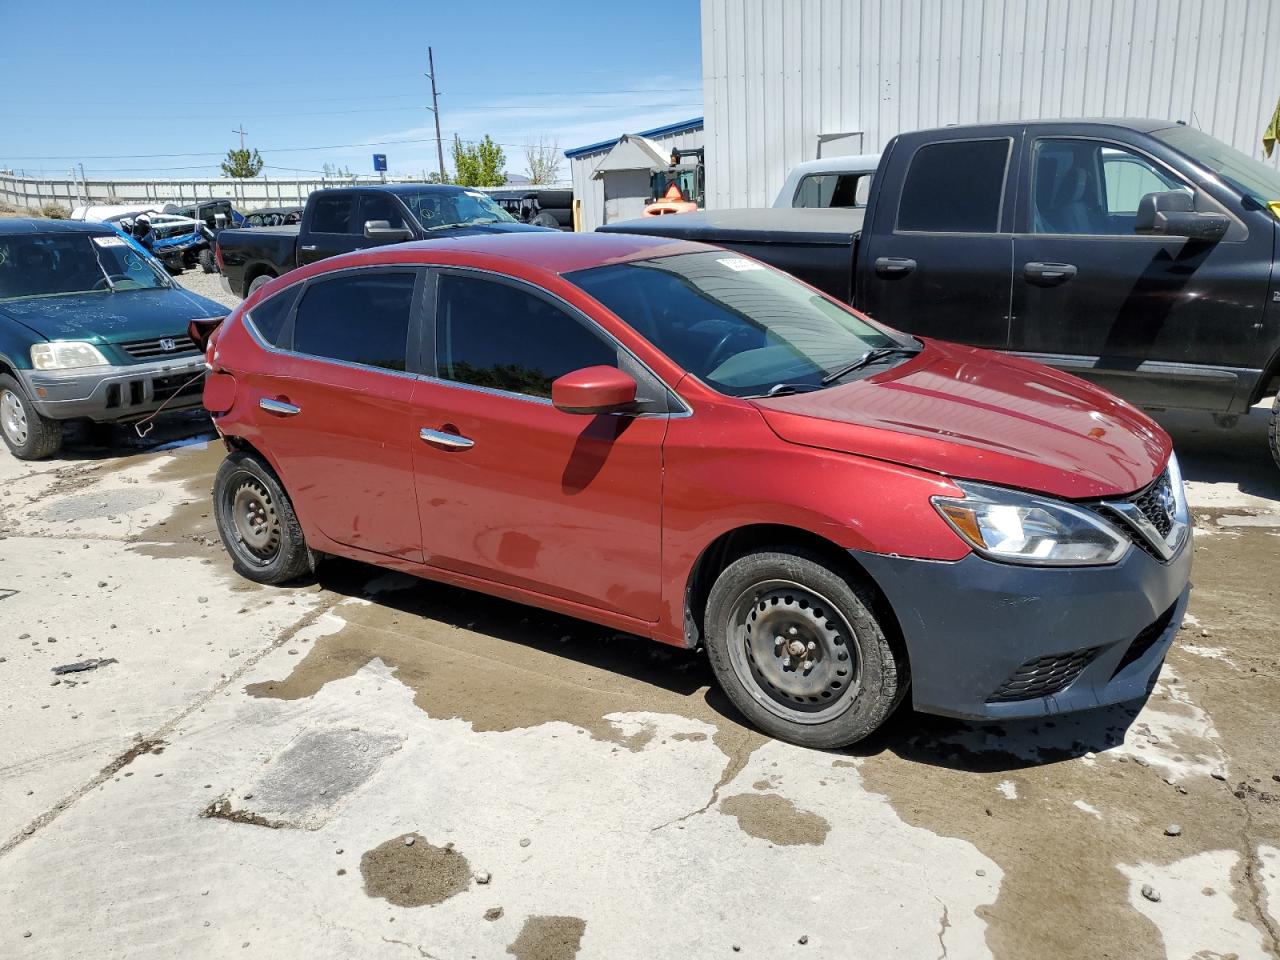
column 684, row 443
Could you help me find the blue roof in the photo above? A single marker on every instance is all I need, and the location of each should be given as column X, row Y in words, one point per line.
column 682, row 127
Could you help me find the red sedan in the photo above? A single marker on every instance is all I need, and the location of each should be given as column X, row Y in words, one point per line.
column 683, row 443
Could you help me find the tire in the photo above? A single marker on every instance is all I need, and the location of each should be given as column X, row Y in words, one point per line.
column 842, row 678
column 256, row 521
column 27, row 434
column 1273, row 431
column 258, row 284
column 207, row 263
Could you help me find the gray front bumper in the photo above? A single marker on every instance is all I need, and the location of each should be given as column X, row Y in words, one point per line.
column 108, row 393
column 984, row 638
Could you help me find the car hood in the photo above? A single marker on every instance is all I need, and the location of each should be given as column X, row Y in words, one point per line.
column 112, row 317
column 973, row 414
column 484, row 229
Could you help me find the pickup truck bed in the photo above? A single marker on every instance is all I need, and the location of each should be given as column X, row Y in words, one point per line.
column 816, row 245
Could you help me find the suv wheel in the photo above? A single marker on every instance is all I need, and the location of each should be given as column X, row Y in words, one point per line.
column 257, row 523
column 796, row 647
column 27, row 434
column 1273, row 430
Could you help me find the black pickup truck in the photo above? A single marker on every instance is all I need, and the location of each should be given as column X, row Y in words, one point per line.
column 1139, row 254
column 351, row 218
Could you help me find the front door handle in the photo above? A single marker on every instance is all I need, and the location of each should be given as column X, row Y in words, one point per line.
column 281, row 408
column 1048, row 274
column 309, row 247
column 451, row 440
column 894, row 266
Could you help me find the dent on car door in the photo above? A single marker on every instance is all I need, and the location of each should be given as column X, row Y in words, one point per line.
column 513, row 490
column 1160, row 320
column 335, row 412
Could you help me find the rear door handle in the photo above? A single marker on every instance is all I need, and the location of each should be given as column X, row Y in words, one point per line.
column 282, row 408
column 894, row 266
column 451, row 440
column 1048, row 273
column 309, row 247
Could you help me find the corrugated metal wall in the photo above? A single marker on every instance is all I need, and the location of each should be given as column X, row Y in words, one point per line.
column 777, row 74
column 591, row 192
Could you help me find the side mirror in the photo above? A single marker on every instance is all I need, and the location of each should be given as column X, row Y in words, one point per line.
column 594, row 390
column 384, row 231
column 1173, row 214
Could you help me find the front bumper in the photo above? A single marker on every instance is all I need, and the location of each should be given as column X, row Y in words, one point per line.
column 107, row 393
column 991, row 640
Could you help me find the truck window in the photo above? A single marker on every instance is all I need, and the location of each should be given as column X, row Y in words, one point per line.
column 955, row 187
column 332, row 214
column 1088, row 187
column 832, row 190
column 380, row 206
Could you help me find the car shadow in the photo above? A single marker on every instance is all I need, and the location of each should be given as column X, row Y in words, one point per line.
column 88, row 442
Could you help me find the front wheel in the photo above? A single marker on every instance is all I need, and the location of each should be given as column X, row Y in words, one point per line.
column 798, row 649
column 257, row 523
column 27, row 434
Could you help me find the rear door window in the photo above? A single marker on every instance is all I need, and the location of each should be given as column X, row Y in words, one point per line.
column 955, row 186
column 361, row 317
column 332, row 214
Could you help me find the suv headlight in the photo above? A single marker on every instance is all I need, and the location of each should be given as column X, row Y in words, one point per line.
column 65, row 355
column 1018, row 527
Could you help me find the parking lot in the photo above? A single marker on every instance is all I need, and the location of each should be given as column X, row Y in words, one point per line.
column 368, row 765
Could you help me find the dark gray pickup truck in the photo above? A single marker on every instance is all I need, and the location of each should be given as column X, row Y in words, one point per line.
column 1139, row 254
column 351, row 218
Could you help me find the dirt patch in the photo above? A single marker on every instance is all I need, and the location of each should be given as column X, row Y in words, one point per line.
column 414, row 874
column 772, row 817
column 126, row 758
column 190, row 531
column 221, row 810
column 549, row 938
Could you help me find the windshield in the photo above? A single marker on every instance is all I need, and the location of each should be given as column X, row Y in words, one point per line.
column 437, row 209
column 738, row 326
column 1251, row 177
column 49, row 266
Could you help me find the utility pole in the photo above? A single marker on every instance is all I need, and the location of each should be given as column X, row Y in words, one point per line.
column 242, row 133
column 435, row 108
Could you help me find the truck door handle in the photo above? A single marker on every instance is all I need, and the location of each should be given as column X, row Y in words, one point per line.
column 451, row 440
column 1048, row 274
column 894, row 266
column 281, row 408
column 308, row 247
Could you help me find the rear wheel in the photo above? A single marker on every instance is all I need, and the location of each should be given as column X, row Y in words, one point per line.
column 795, row 645
column 1273, row 430
column 207, row 263
column 27, row 434
column 258, row 284
column 257, row 523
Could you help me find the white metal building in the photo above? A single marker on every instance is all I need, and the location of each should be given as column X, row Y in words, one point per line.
column 779, row 77
column 611, row 178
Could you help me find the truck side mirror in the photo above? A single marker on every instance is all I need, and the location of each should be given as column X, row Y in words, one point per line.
column 1172, row 213
column 384, row 231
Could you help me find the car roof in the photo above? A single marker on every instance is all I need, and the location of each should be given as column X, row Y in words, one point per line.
column 13, row 226
column 855, row 163
column 1141, row 124
column 555, row 252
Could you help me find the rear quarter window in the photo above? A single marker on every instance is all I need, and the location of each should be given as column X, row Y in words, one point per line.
column 269, row 317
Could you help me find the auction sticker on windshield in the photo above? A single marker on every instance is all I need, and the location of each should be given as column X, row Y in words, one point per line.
column 739, row 264
column 110, row 241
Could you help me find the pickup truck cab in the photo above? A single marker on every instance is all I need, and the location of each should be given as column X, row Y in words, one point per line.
column 346, row 219
column 829, row 182
column 1138, row 254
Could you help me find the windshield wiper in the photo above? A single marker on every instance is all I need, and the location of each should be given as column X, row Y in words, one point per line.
column 781, row 389
column 870, row 357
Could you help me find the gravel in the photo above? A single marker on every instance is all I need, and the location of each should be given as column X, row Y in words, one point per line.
column 206, row 285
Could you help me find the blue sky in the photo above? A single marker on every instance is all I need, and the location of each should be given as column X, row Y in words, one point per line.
column 152, row 89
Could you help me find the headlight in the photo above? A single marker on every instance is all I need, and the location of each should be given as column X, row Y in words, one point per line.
column 1023, row 528
column 65, row 355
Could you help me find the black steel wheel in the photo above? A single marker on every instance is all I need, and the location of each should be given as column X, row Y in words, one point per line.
column 257, row 522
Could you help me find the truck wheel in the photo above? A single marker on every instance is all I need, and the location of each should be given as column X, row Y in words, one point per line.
column 207, row 263
column 27, row 434
column 257, row 523
column 796, row 647
column 258, row 284
column 1273, row 430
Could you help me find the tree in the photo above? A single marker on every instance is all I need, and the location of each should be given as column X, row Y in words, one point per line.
column 332, row 170
column 478, row 163
column 242, row 164
column 543, row 160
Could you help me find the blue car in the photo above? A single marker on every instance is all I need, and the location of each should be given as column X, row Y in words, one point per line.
column 91, row 328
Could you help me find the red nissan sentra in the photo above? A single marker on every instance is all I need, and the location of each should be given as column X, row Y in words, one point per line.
column 681, row 442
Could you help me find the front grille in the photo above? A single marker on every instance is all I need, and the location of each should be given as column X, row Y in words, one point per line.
column 1145, row 640
column 155, row 349
column 1152, row 503
column 1044, row 676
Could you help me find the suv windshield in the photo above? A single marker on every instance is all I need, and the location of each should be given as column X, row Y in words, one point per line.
column 436, row 209
column 743, row 328
column 1251, row 177
column 50, row 266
